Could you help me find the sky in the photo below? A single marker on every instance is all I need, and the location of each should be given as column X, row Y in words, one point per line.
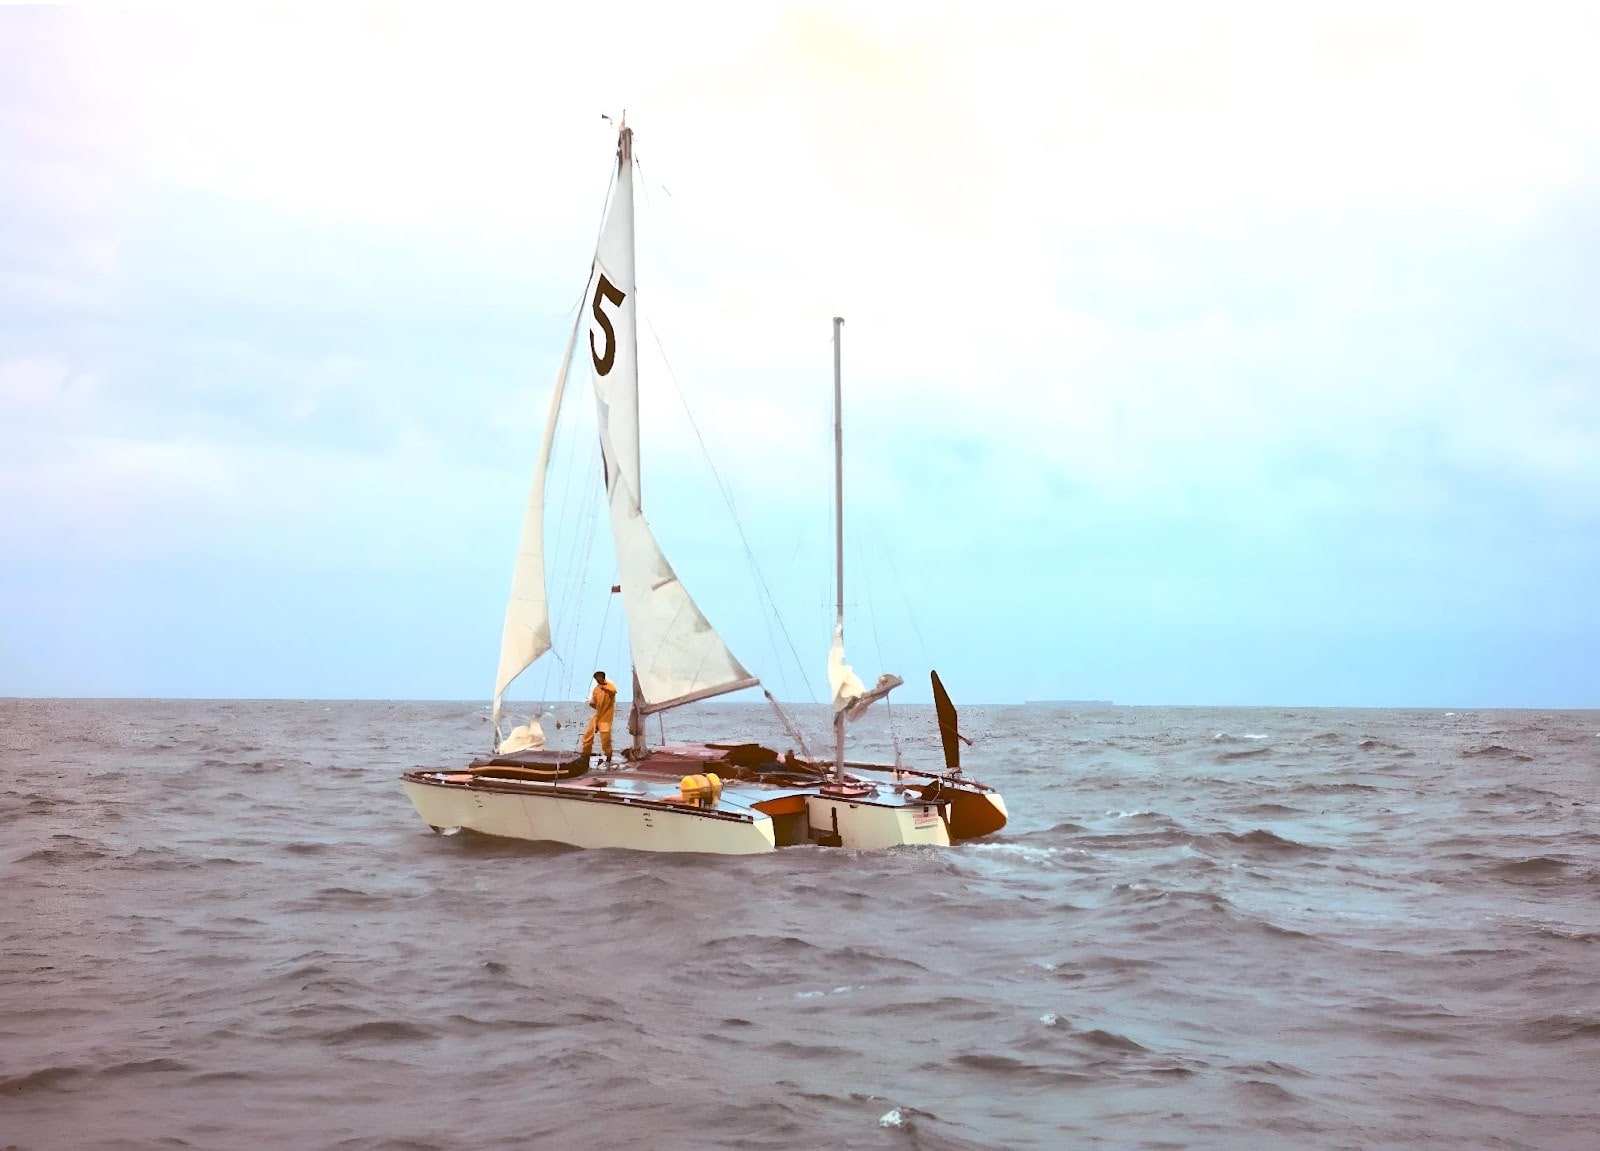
column 1236, row 354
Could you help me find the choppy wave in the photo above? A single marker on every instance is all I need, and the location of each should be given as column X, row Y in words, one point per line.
column 224, row 926
column 1496, row 751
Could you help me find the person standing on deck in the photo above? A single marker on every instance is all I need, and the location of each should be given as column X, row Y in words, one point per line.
column 603, row 700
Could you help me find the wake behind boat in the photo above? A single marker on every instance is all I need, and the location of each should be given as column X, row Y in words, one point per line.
column 734, row 797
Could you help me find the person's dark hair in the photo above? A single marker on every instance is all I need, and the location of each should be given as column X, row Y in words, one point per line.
column 599, row 677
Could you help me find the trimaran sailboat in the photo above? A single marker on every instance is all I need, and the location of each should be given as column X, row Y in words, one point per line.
column 728, row 798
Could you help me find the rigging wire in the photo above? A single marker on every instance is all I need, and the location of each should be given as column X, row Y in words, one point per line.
column 877, row 643
column 727, row 496
column 571, row 315
column 576, row 583
column 789, row 728
column 559, row 465
column 723, row 487
column 605, row 618
column 566, row 442
column 583, row 521
column 581, row 576
column 565, row 517
column 906, row 600
column 575, row 538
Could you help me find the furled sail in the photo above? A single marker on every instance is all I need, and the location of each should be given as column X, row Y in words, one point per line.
column 526, row 635
column 678, row 657
column 850, row 695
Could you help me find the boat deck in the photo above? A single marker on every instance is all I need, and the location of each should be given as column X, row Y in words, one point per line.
column 755, row 783
column 629, row 783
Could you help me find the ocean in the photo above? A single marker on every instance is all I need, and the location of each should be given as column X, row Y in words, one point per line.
column 224, row 926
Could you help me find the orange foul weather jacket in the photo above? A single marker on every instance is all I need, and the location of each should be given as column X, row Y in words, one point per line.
column 604, row 701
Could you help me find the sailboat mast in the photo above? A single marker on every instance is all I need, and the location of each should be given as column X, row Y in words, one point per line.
column 838, row 530
column 625, row 173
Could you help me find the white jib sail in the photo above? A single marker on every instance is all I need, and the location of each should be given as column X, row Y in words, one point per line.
column 526, row 635
column 677, row 655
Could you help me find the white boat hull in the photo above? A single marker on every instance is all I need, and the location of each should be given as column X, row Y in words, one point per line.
column 546, row 815
column 869, row 827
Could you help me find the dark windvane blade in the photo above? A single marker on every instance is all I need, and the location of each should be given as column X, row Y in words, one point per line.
column 949, row 735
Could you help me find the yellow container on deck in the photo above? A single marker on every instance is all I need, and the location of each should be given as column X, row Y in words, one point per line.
column 702, row 790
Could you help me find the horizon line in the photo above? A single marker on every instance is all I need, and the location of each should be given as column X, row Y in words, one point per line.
column 1087, row 705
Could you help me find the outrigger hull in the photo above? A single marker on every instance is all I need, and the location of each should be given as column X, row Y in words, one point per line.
column 552, row 813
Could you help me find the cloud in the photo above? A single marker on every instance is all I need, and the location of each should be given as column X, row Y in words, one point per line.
column 1166, row 302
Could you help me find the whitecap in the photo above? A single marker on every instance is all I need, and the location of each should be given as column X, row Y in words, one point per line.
column 892, row 1119
column 1049, row 1019
column 1020, row 850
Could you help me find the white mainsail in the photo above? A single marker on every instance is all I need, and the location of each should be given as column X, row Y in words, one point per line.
column 678, row 657
column 526, row 635
column 610, row 307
